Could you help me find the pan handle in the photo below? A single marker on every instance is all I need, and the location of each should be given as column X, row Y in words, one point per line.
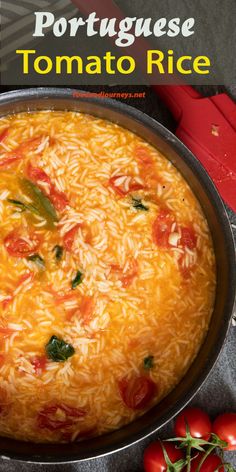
column 177, row 97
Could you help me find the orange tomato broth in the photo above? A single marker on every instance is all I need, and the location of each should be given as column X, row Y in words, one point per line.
column 121, row 270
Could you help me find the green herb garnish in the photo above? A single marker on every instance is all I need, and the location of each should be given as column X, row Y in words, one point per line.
column 58, row 250
column 23, row 206
column 39, row 261
column 40, row 202
column 58, row 350
column 77, row 280
column 148, row 362
column 138, row 205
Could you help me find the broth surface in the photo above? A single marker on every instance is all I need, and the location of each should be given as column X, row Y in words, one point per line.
column 107, row 276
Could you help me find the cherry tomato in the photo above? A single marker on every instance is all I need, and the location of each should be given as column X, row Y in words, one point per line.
column 124, row 184
column 198, row 422
column 162, row 228
column 154, row 460
column 59, row 416
column 225, row 427
column 16, row 246
column 137, row 392
column 69, row 237
column 210, row 464
column 188, row 237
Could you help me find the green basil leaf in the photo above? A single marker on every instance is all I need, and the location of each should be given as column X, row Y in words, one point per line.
column 148, row 362
column 77, row 280
column 58, row 350
column 58, row 250
column 39, row 261
column 40, row 201
column 138, row 205
column 23, row 206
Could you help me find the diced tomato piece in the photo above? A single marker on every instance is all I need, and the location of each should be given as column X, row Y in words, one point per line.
column 6, row 301
column 27, row 276
column 58, row 199
column 16, row 246
column 10, row 297
column 188, row 237
column 29, row 145
column 86, row 309
column 9, row 160
column 39, row 363
column 126, row 277
column 4, row 134
column 62, row 297
column 69, row 237
column 132, row 272
column 2, row 359
column 124, row 184
column 183, row 268
column 5, row 332
column 143, row 156
column 161, row 228
column 19, row 152
column 37, row 175
column 137, row 392
column 59, row 416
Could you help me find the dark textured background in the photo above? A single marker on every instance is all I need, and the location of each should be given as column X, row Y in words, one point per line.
column 218, row 393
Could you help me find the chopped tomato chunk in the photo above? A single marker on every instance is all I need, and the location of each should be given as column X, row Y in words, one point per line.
column 37, row 175
column 86, row 309
column 185, row 269
column 39, row 363
column 126, row 277
column 161, row 228
column 137, row 392
column 4, row 134
column 59, row 416
column 132, row 272
column 6, row 301
column 69, row 237
column 124, row 184
column 20, row 151
column 27, row 276
column 10, row 297
column 5, row 332
column 58, row 199
column 143, row 156
column 188, row 237
column 2, row 359
column 16, row 246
